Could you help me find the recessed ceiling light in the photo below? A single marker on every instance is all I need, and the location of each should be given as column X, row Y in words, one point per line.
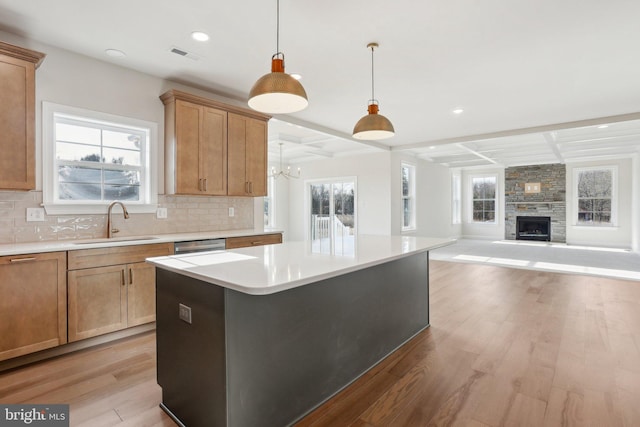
column 432, row 147
column 458, row 111
column 296, row 76
column 200, row 36
column 603, row 126
column 115, row 53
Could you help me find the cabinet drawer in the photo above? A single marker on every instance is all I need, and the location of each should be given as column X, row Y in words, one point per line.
column 246, row 241
column 99, row 257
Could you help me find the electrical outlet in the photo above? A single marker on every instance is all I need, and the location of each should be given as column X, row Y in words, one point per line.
column 35, row 214
column 184, row 313
column 232, row 211
column 161, row 213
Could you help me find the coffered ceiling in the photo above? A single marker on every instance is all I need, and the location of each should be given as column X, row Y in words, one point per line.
column 519, row 70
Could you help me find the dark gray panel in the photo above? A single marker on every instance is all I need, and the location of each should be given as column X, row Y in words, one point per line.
column 191, row 357
column 288, row 352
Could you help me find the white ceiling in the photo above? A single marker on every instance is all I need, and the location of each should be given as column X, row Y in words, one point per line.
column 527, row 67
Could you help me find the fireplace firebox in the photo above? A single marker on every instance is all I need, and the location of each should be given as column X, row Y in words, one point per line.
column 533, row 228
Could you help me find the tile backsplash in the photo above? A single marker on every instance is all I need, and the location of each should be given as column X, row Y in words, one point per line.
column 185, row 214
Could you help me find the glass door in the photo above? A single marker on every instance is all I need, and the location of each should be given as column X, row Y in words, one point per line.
column 333, row 216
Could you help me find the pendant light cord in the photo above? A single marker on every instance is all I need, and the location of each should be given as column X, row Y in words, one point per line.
column 277, row 27
column 373, row 98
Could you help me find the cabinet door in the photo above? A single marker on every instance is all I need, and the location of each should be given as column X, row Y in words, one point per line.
column 256, row 157
column 17, row 124
column 33, row 312
column 141, row 300
column 187, row 171
column 247, row 156
column 237, row 183
column 97, row 301
column 213, row 152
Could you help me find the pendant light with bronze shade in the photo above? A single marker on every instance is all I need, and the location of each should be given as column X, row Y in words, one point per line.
column 277, row 92
column 373, row 125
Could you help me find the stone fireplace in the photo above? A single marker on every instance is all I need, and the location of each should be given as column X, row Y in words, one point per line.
column 533, row 192
column 533, row 228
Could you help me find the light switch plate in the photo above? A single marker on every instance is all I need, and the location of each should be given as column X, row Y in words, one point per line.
column 232, row 211
column 35, row 214
column 161, row 213
column 184, row 312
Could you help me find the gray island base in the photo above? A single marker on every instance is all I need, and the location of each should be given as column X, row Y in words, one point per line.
column 268, row 360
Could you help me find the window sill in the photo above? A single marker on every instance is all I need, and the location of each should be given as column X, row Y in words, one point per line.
column 596, row 227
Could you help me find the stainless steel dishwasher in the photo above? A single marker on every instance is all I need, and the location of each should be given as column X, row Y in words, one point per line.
column 199, row 246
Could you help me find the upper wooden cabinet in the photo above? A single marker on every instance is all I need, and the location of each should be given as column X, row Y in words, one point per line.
column 247, row 156
column 213, row 148
column 17, row 116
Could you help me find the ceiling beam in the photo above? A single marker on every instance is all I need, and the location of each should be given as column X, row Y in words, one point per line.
column 522, row 131
column 551, row 138
column 475, row 153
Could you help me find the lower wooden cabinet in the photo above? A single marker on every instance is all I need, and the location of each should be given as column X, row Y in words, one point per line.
column 258, row 240
column 106, row 298
column 33, row 303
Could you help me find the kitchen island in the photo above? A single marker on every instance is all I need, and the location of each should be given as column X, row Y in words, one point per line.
column 261, row 336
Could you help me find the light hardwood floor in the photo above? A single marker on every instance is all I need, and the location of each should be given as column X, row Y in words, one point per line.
column 506, row 347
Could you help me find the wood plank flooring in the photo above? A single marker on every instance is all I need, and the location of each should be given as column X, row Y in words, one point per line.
column 506, row 347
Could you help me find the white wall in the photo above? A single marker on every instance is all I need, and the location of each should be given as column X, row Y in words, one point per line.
column 373, row 191
column 618, row 236
column 433, row 198
column 488, row 231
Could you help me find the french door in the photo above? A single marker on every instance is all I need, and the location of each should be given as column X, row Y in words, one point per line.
column 332, row 213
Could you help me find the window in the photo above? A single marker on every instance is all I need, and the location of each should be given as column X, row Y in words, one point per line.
column 408, row 173
column 484, row 199
column 91, row 159
column 595, row 189
column 456, row 198
column 269, row 203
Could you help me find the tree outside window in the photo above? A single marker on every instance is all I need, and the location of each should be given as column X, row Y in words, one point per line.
column 408, row 197
column 595, row 193
column 484, row 199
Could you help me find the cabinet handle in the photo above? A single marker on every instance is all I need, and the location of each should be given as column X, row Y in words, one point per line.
column 123, row 281
column 131, row 276
column 200, row 184
column 205, row 184
column 256, row 243
column 23, row 259
column 250, row 187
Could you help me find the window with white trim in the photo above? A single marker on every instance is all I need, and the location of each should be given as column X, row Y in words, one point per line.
column 91, row 159
column 596, row 192
column 456, row 198
column 408, row 173
column 483, row 203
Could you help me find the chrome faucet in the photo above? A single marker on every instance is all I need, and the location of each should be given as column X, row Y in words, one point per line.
column 110, row 230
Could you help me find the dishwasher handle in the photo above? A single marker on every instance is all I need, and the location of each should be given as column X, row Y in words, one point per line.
column 199, row 246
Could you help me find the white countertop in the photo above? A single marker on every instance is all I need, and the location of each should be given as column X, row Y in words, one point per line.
column 71, row 245
column 269, row 269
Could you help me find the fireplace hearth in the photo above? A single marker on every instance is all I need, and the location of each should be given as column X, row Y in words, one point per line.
column 533, row 228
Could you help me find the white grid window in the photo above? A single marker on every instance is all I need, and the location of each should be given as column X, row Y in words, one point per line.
column 93, row 158
column 408, row 173
column 596, row 192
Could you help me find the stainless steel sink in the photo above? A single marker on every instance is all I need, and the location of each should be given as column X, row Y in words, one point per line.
column 114, row 239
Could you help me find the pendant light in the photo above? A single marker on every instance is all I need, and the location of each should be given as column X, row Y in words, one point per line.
column 373, row 125
column 277, row 92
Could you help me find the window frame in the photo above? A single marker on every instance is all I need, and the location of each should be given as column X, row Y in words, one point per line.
column 496, row 199
column 148, row 159
column 411, row 197
column 456, row 198
column 614, row 196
